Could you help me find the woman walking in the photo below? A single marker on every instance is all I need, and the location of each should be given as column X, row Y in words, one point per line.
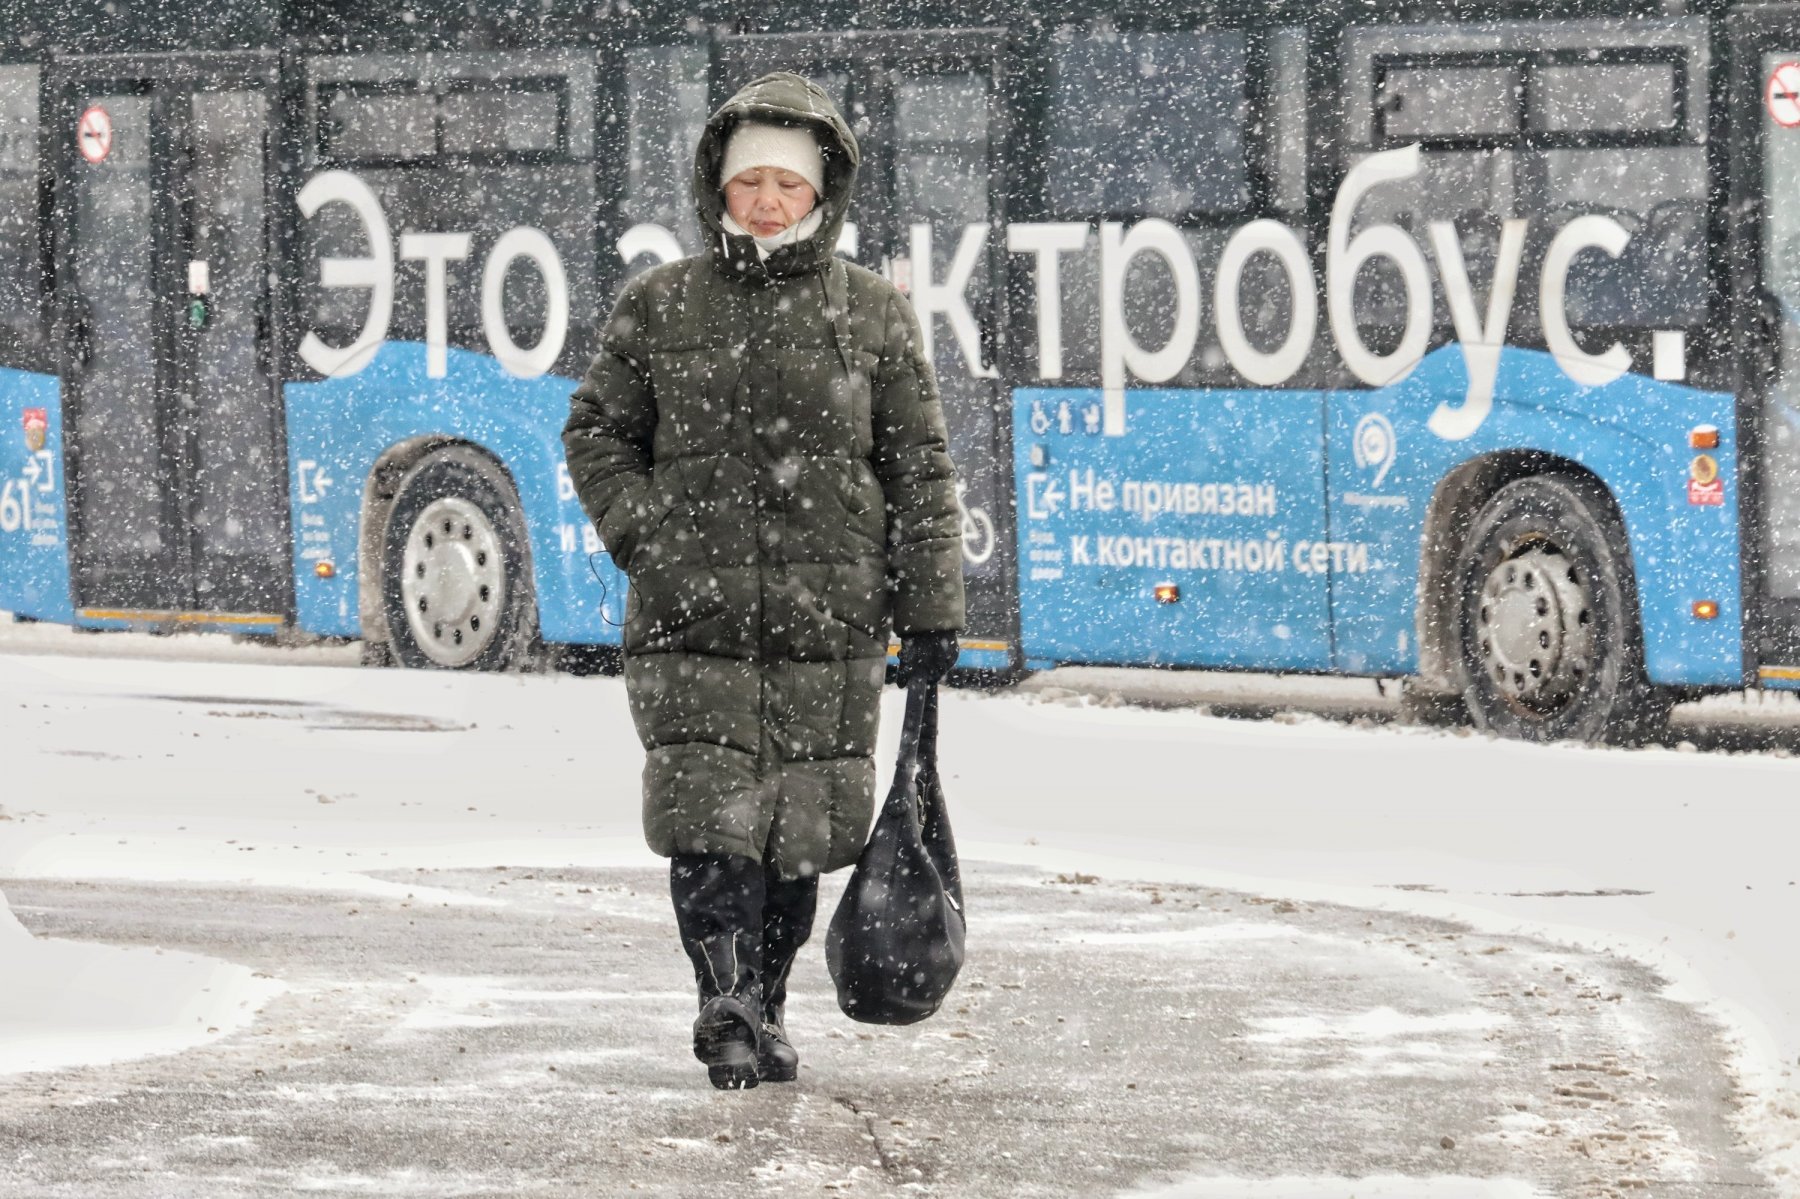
column 760, row 443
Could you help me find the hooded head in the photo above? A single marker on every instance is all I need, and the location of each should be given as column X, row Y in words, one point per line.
column 769, row 111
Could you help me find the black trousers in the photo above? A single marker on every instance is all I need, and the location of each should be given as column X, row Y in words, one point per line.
column 741, row 927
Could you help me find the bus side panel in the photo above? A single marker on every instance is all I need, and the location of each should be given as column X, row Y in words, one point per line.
column 34, row 544
column 1214, row 497
column 1385, row 464
column 339, row 428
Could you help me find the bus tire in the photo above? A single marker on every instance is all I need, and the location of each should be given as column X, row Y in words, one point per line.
column 456, row 568
column 1430, row 709
column 1548, row 618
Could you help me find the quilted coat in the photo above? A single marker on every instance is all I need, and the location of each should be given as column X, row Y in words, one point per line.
column 762, row 449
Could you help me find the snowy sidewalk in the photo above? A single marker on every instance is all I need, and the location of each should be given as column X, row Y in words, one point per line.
column 524, row 1032
column 158, row 775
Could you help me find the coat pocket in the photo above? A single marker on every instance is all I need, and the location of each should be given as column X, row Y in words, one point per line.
column 856, row 596
column 648, row 521
column 668, row 598
column 865, row 505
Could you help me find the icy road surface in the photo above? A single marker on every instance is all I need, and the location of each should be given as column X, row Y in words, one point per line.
column 330, row 788
column 524, row 1031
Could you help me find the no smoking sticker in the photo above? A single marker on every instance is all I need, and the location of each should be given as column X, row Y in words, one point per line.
column 1783, row 95
column 94, row 133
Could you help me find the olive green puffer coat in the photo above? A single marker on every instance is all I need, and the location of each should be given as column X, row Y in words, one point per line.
column 762, row 449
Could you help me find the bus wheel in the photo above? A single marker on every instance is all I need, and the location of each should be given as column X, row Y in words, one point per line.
column 1551, row 644
column 456, row 580
column 1430, row 709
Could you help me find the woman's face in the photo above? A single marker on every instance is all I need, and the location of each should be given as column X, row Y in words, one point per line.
column 766, row 200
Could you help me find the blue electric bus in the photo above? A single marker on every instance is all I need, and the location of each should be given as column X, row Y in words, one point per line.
column 1451, row 343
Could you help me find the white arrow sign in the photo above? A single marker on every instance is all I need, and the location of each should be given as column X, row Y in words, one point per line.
column 313, row 481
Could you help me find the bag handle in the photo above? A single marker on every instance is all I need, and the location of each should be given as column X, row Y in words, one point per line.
column 918, row 734
column 928, row 730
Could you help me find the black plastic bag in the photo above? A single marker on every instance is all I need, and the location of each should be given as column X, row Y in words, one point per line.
column 896, row 941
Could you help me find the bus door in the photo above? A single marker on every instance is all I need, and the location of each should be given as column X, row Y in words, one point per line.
column 1766, row 241
column 176, row 464
column 927, row 112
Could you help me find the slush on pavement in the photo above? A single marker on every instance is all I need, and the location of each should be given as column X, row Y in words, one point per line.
column 359, row 931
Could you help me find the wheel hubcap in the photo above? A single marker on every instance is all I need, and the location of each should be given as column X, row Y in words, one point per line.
column 1535, row 627
column 453, row 581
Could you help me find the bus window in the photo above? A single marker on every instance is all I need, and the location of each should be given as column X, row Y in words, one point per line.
column 1159, row 125
column 479, row 144
column 1648, row 169
column 238, row 525
column 21, row 327
column 1149, row 123
column 1524, row 119
column 384, row 122
column 1781, row 284
column 373, row 124
column 1600, row 99
column 941, row 159
column 488, row 120
column 124, row 545
column 1448, row 102
column 398, row 123
column 666, row 111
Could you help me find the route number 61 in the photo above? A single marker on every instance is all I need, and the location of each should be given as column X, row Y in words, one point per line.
column 39, row 474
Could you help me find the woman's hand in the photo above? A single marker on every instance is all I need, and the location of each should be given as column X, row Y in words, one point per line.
column 929, row 656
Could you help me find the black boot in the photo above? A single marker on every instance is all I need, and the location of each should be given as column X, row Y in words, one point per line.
column 776, row 1060
column 728, row 1039
column 788, row 908
column 718, row 901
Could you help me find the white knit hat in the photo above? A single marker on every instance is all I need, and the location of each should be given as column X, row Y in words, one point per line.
column 760, row 144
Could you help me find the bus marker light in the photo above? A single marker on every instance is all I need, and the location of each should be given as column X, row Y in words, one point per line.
column 1703, row 437
column 324, row 570
column 1168, row 593
column 1705, row 487
column 1706, row 609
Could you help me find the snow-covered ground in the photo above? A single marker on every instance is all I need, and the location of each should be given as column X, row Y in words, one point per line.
column 68, row 1003
column 158, row 767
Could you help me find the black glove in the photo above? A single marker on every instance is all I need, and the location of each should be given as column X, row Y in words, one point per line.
column 928, row 656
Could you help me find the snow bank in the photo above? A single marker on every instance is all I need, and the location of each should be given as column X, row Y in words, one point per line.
column 68, row 1003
